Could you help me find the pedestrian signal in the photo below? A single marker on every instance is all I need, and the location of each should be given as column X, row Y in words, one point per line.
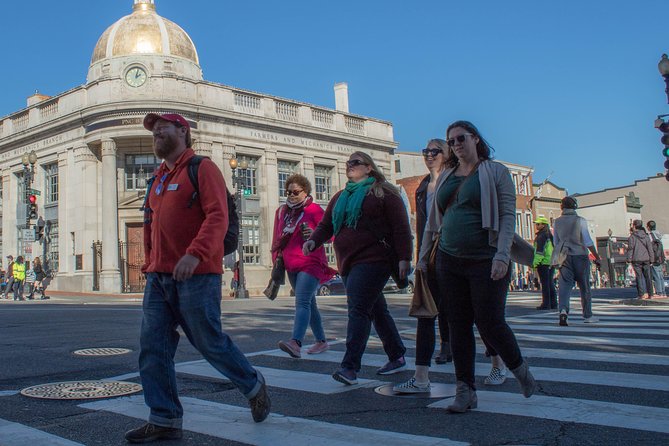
column 32, row 207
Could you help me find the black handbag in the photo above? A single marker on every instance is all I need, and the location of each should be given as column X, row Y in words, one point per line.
column 277, row 278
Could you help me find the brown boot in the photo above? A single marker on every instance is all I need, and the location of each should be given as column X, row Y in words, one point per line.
column 524, row 377
column 444, row 355
column 465, row 398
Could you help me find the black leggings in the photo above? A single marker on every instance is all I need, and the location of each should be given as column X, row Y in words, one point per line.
column 425, row 338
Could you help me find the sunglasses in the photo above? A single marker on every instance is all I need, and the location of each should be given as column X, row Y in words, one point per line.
column 431, row 152
column 294, row 193
column 354, row 163
column 159, row 188
column 459, row 138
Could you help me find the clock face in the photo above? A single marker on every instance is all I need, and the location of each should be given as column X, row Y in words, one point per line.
column 135, row 77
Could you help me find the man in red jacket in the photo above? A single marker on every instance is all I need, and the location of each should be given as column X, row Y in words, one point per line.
column 183, row 266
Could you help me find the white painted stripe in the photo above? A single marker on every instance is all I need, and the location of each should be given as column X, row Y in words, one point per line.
column 604, row 321
column 16, row 434
column 593, row 341
column 285, row 379
column 600, row 413
column 596, row 377
column 235, row 424
column 8, row 392
column 595, row 356
column 579, row 326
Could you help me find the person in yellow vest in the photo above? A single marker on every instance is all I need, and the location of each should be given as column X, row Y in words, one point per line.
column 543, row 250
column 19, row 278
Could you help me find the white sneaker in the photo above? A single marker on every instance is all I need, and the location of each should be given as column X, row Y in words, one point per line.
column 496, row 377
column 591, row 320
column 412, row 386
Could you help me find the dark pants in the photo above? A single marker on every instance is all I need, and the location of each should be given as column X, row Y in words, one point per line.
column 366, row 304
column 425, row 338
column 472, row 297
column 644, row 280
column 548, row 291
column 576, row 269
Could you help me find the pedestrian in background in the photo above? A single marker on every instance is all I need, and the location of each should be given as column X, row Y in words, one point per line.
column 473, row 218
column 543, row 251
column 372, row 237
column 640, row 255
column 39, row 277
column 19, row 272
column 656, row 266
column 183, row 248
column 9, row 277
column 572, row 243
column 294, row 222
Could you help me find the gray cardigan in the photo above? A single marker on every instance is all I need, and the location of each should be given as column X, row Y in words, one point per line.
column 498, row 211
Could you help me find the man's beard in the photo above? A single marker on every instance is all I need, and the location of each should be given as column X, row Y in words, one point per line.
column 164, row 146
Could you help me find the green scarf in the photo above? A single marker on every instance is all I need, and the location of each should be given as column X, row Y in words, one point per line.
column 348, row 209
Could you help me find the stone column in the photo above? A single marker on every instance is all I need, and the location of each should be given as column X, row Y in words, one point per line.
column 82, row 221
column 269, row 202
column 227, row 153
column 110, row 276
column 308, row 171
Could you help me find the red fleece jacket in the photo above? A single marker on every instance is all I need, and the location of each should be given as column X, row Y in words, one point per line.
column 171, row 229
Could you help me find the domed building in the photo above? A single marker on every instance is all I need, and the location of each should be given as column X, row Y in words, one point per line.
column 91, row 156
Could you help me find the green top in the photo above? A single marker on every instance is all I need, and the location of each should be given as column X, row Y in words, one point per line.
column 462, row 234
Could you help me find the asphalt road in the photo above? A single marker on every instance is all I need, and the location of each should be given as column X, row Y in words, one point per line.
column 601, row 384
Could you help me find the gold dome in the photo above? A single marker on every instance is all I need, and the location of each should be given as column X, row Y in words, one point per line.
column 144, row 32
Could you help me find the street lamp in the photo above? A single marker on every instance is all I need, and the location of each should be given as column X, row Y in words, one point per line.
column 663, row 66
column 240, row 292
column 28, row 159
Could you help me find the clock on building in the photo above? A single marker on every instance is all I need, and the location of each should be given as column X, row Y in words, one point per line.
column 135, row 76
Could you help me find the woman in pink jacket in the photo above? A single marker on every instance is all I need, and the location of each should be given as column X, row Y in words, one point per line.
column 293, row 223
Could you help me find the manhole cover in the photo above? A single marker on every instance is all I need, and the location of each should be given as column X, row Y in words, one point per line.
column 81, row 390
column 436, row 391
column 103, row 351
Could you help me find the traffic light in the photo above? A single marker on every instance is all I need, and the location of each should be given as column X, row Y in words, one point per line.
column 32, row 207
column 664, row 128
column 39, row 229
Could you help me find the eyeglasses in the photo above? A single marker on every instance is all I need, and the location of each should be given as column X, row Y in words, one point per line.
column 159, row 188
column 431, row 152
column 354, row 163
column 294, row 193
column 459, row 138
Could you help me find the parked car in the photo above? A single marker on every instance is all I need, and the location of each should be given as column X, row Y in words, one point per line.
column 335, row 286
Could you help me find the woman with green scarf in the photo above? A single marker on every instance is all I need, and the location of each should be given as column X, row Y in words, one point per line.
column 370, row 226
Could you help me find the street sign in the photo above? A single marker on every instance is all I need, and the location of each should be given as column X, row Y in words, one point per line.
column 28, row 249
column 29, row 235
column 34, row 192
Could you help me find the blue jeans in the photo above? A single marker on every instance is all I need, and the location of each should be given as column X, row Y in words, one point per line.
column 575, row 269
column 366, row 304
column 472, row 297
column 306, row 310
column 658, row 280
column 195, row 305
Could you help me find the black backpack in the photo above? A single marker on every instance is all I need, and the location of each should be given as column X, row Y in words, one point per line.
column 231, row 240
column 658, row 249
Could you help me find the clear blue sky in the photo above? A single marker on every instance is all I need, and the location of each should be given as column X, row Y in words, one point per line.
column 569, row 86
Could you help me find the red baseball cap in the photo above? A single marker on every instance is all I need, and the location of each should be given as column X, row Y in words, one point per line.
column 151, row 118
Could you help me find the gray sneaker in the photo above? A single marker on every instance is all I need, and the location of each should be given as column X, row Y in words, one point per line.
column 391, row 367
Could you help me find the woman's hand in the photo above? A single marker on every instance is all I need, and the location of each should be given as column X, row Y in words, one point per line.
column 308, row 246
column 306, row 232
column 422, row 265
column 405, row 268
column 498, row 270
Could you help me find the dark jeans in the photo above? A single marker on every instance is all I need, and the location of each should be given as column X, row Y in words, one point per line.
column 425, row 338
column 548, row 291
column 575, row 269
column 644, row 280
column 366, row 304
column 195, row 305
column 472, row 297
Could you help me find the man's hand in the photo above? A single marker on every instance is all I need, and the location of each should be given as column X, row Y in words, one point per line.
column 404, row 268
column 498, row 269
column 185, row 267
column 308, row 246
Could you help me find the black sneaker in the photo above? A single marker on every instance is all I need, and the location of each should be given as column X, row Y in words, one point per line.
column 151, row 432
column 563, row 319
column 346, row 376
column 260, row 404
column 391, row 367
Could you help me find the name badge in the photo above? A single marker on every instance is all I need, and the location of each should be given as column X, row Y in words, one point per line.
column 172, row 186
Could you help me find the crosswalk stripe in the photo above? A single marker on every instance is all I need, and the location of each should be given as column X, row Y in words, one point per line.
column 599, row 328
column 601, row 413
column 607, row 321
column 591, row 340
column 16, row 434
column 235, row 424
column 286, row 379
column 554, row 374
